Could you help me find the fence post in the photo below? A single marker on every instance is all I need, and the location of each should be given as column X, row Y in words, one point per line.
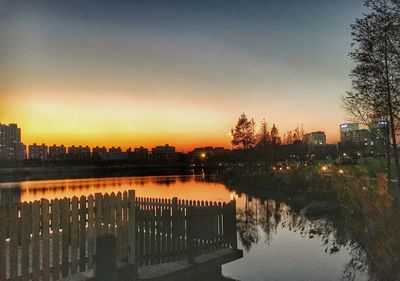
column 132, row 229
column 233, row 224
column 190, row 235
column 106, row 258
column 174, row 227
column 229, row 227
column 3, row 236
column 45, row 240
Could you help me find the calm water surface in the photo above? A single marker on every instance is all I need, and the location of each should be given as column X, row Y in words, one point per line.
column 277, row 244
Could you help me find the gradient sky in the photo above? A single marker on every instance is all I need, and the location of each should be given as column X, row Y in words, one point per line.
column 179, row 72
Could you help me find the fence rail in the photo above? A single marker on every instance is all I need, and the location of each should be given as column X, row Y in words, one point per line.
column 46, row 240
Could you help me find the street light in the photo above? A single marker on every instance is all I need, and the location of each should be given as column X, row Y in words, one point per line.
column 234, row 195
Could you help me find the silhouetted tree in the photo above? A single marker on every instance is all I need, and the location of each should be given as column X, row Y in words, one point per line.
column 243, row 135
column 275, row 139
column 263, row 137
column 298, row 133
column 288, row 137
column 375, row 77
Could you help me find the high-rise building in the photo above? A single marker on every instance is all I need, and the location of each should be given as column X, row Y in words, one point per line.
column 346, row 131
column 11, row 147
column 38, row 152
column 78, row 152
column 57, row 152
column 315, row 138
column 379, row 131
column 97, row 152
column 354, row 140
column 165, row 151
column 141, row 151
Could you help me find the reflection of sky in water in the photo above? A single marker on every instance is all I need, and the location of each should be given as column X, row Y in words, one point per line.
column 183, row 187
column 279, row 246
column 289, row 256
column 276, row 250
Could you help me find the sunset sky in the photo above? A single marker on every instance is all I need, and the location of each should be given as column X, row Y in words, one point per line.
column 179, row 72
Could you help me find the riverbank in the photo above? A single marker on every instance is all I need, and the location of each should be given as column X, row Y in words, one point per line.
column 87, row 171
column 346, row 209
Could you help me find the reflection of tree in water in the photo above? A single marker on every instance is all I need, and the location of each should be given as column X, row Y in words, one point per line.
column 335, row 236
column 267, row 215
column 270, row 216
column 247, row 224
column 258, row 214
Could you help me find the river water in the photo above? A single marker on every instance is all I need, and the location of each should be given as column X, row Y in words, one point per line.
column 277, row 243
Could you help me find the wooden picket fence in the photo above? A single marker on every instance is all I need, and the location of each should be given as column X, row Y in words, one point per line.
column 171, row 230
column 46, row 240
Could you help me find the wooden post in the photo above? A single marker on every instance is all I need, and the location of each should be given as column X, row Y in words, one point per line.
column 55, row 227
column 190, row 252
column 168, row 223
column 232, row 227
column 25, row 240
column 118, row 218
column 65, row 226
column 90, row 231
column 106, row 258
column 13, row 223
column 35, row 240
column 3, row 228
column 74, row 235
column 45, row 240
column 382, row 183
column 132, row 228
column 174, row 228
column 99, row 211
column 82, row 233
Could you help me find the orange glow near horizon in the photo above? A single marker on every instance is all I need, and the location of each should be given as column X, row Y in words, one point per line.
column 103, row 120
column 114, row 121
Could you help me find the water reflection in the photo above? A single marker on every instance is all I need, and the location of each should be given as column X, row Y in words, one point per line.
column 185, row 187
column 263, row 219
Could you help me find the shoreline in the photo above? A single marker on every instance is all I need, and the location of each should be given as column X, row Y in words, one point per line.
column 19, row 174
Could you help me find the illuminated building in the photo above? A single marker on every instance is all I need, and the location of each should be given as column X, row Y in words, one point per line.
column 38, row 152
column 57, row 152
column 11, row 147
column 315, row 138
column 141, row 151
column 346, row 130
column 355, row 141
column 163, row 151
column 78, row 152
